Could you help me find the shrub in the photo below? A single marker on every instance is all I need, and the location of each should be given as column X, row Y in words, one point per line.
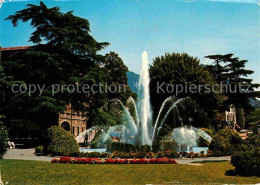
column 61, row 142
column 169, row 145
column 225, row 142
column 220, row 146
column 247, row 160
column 150, row 155
column 38, row 149
column 210, row 132
column 3, row 140
column 146, row 148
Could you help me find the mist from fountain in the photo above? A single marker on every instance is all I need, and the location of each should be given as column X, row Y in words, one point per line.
column 188, row 137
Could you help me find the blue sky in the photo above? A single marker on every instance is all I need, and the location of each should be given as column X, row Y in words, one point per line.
column 198, row 27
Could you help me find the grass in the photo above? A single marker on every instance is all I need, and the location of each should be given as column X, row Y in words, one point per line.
column 39, row 172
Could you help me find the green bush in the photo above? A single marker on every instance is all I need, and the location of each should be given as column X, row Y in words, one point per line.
column 146, row 148
column 61, row 142
column 225, row 142
column 247, row 160
column 3, row 140
column 38, row 149
column 124, row 147
column 210, row 132
column 169, row 145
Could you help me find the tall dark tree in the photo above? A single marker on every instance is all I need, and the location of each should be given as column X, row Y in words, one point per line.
column 116, row 71
column 64, row 53
column 182, row 70
column 237, row 87
column 217, row 69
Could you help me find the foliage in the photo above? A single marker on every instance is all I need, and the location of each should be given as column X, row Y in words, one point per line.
column 225, row 142
column 39, row 149
column 64, row 53
column 253, row 118
column 230, row 72
column 146, row 148
column 113, row 161
column 104, row 118
column 169, row 145
column 247, row 162
column 124, row 147
column 203, row 142
column 3, row 140
column 182, row 69
column 90, row 154
column 247, row 159
column 210, row 132
column 61, row 142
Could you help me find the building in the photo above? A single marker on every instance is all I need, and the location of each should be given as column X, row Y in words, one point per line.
column 230, row 117
column 70, row 120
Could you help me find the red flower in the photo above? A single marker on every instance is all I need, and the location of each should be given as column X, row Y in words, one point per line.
column 65, row 159
column 55, row 160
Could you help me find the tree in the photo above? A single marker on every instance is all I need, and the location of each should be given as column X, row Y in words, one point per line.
column 64, row 53
column 3, row 140
column 182, row 70
column 217, row 69
column 116, row 72
column 231, row 72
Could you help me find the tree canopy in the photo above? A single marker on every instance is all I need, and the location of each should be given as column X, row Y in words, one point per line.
column 237, row 87
column 64, row 53
column 181, row 69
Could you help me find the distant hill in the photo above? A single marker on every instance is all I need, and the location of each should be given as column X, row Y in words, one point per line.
column 254, row 102
column 133, row 79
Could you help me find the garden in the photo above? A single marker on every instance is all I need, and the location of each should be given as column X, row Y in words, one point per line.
column 106, row 136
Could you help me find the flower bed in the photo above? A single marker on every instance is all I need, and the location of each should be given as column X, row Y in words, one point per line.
column 76, row 160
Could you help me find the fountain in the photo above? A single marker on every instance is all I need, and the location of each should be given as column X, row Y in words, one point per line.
column 139, row 128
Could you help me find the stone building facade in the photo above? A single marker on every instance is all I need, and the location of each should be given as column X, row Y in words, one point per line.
column 72, row 121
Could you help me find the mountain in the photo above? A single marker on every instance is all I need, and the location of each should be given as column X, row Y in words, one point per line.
column 133, row 79
column 254, row 102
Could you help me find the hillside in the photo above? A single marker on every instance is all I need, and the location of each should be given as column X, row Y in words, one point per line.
column 133, row 79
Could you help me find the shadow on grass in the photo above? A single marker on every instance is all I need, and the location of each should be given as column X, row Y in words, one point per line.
column 210, row 161
column 231, row 173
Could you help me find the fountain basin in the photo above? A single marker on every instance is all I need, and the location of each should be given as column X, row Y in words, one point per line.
column 100, row 150
column 199, row 149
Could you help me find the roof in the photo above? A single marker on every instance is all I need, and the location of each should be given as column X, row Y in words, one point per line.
column 15, row 48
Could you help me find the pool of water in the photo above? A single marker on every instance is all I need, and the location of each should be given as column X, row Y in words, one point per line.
column 101, row 150
column 199, row 149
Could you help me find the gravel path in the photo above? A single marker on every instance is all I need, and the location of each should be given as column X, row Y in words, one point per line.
column 28, row 154
column 25, row 154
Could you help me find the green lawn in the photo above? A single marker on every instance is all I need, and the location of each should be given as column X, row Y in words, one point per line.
column 34, row 172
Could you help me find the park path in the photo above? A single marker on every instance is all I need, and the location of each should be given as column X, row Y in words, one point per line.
column 25, row 154
column 28, row 154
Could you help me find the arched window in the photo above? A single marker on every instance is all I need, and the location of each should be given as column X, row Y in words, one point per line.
column 65, row 125
column 78, row 130
column 82, row 129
